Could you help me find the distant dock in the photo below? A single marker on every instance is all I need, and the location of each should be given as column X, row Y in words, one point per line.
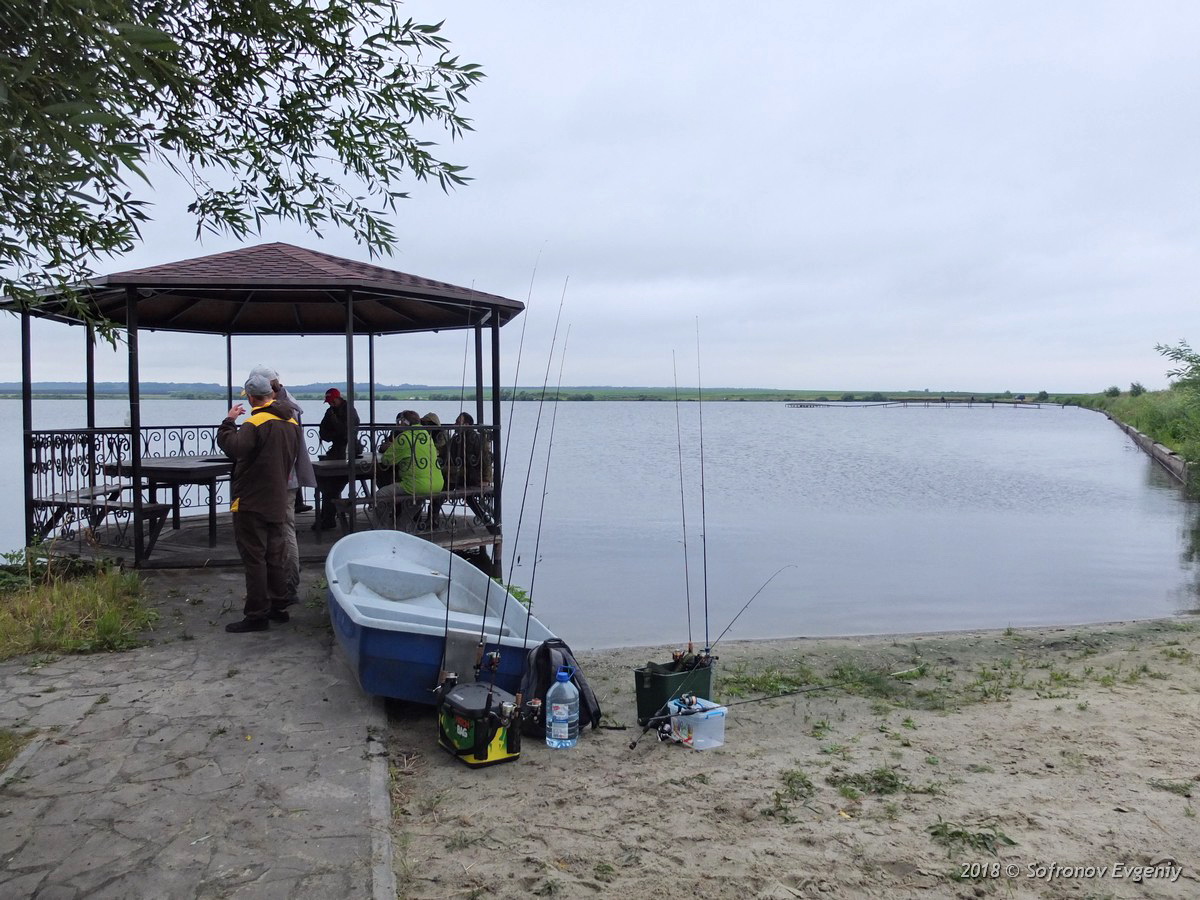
column 945, row 402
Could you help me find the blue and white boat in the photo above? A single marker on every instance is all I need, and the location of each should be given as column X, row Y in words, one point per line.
column 388, row 598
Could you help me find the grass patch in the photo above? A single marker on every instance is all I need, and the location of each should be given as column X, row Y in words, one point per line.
column 1182, row 788
column 771, row 682
column 12, row 743
column 867, row 683
column 59, row 608
column 882, row 780
column 985, row 836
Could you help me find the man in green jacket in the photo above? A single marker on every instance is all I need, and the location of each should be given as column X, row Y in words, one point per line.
column 264, row 453
column 413, row 458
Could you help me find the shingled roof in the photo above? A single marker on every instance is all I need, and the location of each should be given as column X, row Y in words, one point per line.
column 283, row 289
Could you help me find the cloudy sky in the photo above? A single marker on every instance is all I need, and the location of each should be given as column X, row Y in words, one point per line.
column 860, row 195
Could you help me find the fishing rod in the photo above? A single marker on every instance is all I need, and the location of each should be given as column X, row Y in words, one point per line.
column 687, row 581
column 462, row 399
column 508, row 436
column 751, row 600
column 545, row 480
column 703, row 517
column 512, row 403
column 708, row 657
column 659, row 719
column 529, row 470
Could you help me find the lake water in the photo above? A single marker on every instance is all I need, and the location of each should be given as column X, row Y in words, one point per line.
column 890, row 520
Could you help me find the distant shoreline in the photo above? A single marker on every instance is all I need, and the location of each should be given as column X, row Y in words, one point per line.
column 421, row 393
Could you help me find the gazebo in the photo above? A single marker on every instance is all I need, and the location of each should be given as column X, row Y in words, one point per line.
column 94, row 490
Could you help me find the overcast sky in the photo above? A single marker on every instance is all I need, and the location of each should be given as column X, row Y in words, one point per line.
column 851, row 195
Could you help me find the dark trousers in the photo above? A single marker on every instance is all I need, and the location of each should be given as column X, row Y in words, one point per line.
column 330, row 490
column 263, row 548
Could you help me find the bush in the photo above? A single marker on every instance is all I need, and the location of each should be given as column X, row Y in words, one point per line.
column 1136, row 389
column 1113, row 391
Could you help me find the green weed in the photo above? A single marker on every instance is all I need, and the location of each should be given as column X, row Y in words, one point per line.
column 882, row 780
column 1182, row 788
column 797, row 786
column 986, row 836
column 770, row 682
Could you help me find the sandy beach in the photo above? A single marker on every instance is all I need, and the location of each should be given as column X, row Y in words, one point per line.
column 1051, row 762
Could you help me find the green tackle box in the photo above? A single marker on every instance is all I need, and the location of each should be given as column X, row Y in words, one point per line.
column 657, row 683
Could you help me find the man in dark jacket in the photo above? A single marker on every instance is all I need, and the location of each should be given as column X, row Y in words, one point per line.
column 335, row 429
column 264, row 453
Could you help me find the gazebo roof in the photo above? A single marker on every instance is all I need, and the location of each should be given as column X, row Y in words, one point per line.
column 283, row 289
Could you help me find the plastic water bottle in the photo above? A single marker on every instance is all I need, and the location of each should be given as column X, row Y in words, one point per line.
column 562, row 711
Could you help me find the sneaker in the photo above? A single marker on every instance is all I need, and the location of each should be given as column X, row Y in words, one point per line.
column 248, row 625
column 278, row 615
column 303, row 508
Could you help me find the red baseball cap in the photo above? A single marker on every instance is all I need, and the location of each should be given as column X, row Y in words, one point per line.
column 332, row 394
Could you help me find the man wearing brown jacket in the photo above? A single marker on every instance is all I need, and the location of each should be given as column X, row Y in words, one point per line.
column 264, row 452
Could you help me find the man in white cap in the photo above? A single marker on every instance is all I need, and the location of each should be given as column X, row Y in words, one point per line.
column 263, row 449
column 302, row 476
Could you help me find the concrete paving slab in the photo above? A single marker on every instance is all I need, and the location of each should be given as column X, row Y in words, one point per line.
column 202, row 765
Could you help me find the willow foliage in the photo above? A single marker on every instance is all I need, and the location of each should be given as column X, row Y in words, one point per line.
column 314, row 111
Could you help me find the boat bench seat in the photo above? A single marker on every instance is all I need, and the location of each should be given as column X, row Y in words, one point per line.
column 396, row 579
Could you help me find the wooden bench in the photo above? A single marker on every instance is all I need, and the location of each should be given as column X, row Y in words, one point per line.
column 94, row 503
column 431, row 505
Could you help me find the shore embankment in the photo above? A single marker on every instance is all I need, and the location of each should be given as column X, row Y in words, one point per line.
column 1179, row 467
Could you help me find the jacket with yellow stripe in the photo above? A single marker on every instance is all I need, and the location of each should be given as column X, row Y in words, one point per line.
column 264, row 451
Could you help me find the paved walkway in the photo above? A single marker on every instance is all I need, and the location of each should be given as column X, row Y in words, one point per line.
column 207, row 765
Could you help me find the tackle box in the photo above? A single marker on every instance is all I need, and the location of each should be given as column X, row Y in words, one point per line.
column 700, row 726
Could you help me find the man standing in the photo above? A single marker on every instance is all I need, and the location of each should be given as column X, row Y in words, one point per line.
column 302, row 476
column 264, row 453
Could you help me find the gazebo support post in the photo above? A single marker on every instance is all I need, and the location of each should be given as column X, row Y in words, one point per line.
column 229, row 371
column 371, row 378
column 27, row 423
column 135, row 422
column 351, row 427
column 90, row 363
column 497, row 462
column 479, row 372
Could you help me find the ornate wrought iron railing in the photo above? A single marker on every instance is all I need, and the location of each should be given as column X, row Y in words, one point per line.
column 82, row 492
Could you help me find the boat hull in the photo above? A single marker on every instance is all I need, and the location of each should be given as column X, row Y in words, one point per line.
column 395, row 644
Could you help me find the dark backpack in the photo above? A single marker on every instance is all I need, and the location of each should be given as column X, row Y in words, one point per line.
column 541, row 667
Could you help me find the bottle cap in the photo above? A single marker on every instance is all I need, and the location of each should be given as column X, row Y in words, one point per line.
column 564, row 674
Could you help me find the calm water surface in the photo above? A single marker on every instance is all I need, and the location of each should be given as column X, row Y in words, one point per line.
column 890, row 520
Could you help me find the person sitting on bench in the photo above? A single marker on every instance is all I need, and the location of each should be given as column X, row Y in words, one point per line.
column 413, row 459
column 469, row 455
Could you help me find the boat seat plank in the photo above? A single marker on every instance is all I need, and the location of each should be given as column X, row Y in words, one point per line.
column 397, row 579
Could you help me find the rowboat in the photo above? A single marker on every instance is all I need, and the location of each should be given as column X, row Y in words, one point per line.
column 399, row 603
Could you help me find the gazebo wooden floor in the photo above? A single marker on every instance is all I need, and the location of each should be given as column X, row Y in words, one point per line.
column 187, row 547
